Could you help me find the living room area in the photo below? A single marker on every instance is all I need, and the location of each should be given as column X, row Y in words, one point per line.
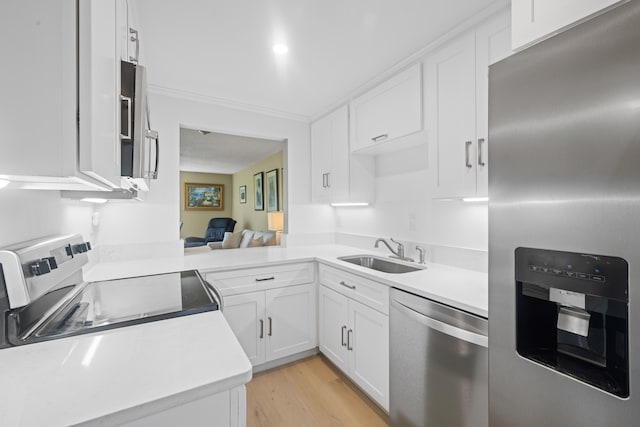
column 230, row 184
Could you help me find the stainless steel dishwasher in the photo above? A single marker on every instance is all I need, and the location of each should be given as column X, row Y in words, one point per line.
column 438, row 364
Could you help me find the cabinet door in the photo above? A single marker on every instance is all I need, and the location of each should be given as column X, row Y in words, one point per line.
column 339, row 178
column 38, row 88
column 99, row 144
column 532, row 20
column 369, row 356
column 291, row 323
column 333, row 319
column 245, row 315
column 389, row 111
column 493, row 43
column 321, row 160
column 452, row 115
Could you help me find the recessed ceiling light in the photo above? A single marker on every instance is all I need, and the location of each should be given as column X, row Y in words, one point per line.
column 280, row 49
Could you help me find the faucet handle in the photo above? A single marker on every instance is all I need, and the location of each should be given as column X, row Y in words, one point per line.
column 400, row 245
column 400, row 248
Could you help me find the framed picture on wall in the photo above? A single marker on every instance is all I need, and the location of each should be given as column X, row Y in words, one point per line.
column 272, row 190
column 203, row 197
column 258, row 188
column 243, row 194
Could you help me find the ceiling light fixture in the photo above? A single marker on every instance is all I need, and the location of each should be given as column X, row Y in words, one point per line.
column 280, row 49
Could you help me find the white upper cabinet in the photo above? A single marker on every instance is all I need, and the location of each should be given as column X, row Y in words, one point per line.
column 99, row 155
column 337, row 174
column 535, row 20
column 388, row 112
column 39, row 104
column 457, row 107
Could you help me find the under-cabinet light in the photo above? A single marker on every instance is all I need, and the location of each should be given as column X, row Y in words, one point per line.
column 93, row 200
column 475, row 199
column 335, row 205
column 4, row 183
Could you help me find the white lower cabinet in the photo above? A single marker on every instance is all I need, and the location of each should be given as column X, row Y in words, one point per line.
column 275, row 323
column 229, row 408
column 355, row 338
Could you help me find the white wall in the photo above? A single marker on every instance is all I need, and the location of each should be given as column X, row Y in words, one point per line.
column 156, row 219
column 405, row 208
column 30, row 214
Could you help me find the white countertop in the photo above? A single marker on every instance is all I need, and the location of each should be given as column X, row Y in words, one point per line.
column 457, row 287
column 130, row 372
column 120, row 374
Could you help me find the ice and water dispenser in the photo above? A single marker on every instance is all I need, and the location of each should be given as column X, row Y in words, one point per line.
column 572, row 315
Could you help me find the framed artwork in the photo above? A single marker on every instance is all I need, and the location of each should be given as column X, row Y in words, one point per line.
column 272, row 190
column 203, row 197
column 258, row 188
column 243, row 194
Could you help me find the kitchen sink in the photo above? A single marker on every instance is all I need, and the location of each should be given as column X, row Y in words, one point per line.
column 380, row 264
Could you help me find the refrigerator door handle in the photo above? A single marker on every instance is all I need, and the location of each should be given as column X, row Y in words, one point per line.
column 461, row 334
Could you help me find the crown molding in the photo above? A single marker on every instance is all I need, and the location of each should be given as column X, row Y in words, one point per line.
column 227, row 103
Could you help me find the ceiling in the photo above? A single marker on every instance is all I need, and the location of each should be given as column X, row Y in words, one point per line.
column 222, row 153
column 222, row 49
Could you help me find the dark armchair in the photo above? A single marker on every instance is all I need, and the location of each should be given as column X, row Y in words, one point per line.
column 215, row 232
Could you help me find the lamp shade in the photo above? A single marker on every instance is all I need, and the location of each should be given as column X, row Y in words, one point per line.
column 275, row 221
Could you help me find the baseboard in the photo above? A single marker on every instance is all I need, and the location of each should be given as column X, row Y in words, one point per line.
column 285, row 360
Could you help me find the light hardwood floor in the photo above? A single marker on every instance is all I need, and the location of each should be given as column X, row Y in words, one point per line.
column 310, row 392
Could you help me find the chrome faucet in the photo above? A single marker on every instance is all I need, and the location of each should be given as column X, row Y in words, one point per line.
column 423, row 253
column 399, row 253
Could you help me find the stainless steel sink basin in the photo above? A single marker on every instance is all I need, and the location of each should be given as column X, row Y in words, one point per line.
column 380, row 264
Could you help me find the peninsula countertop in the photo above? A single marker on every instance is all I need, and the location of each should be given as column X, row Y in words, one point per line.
column 121, row 374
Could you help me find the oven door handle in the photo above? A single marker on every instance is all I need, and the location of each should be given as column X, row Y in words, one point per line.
column 216, row 294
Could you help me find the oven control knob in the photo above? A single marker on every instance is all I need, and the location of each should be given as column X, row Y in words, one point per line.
column 52, row 262
column 81, row 248
column 40, row 267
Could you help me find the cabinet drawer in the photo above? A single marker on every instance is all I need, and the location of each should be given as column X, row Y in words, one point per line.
column 256, row 279
column 365, row 291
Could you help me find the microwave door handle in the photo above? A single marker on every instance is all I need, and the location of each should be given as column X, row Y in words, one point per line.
column 153, row 134
column 129, row 102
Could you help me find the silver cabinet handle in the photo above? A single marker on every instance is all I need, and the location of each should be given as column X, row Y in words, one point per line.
column 445, row 328
column 480, row 144
column 152, row 134
column 261, row 328
column 265, row 279
column 346, row 285
column 467, row 145
column 270, row 327
column 328, row 179
column 344, row 328
column 380, row 137
column 349, row 335
column 126, row 101
column 134, row 38
column 324, row 180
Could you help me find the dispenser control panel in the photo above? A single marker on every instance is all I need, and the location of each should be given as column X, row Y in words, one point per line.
column 579, row 272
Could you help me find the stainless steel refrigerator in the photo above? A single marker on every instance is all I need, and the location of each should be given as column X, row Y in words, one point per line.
column 564, row 228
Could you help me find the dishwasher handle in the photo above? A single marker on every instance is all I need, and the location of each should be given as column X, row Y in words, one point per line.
column 445, row 328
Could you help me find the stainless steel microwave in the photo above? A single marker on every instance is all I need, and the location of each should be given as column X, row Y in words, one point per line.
column 139, row 144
